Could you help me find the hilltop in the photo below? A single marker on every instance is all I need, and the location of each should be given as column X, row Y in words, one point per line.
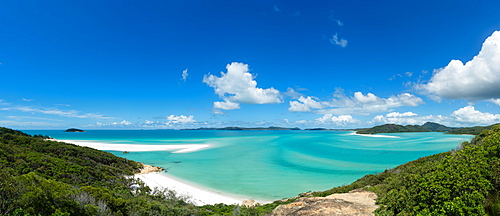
column 427, row 127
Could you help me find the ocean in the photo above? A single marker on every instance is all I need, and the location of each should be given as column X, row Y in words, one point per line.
column 271, row 165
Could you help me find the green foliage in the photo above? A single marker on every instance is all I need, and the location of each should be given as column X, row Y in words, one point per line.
column 42, row 177
column 393, row 128
column 427, row 127
column 465, row 182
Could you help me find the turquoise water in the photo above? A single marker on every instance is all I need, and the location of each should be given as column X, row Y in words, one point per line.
column 271, row 165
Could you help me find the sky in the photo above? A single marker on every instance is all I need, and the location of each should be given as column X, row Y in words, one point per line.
column 162, row 64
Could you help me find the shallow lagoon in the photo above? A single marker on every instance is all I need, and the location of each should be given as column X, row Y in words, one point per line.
column 271, row 165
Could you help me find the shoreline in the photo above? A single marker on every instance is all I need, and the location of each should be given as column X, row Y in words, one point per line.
column 198, row 195
column 373, row 135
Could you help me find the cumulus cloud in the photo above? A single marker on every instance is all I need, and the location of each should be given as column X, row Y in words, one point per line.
column 408, row 118
column 397, row 114
column 226, row 105
column 495, row 101
column 336, row 41
column 341, row 120
column 182, row 119
column 304, row 104
column 469, row 114
column 291, row 92
column 359, row 104
column 123, row 123
column 238, row 86
column 477, row 79
column 185, row 74
column 466, row 116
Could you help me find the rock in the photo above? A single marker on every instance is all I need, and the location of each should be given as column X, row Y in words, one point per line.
column 149, row 169
column 355, row 203
column 248, row 203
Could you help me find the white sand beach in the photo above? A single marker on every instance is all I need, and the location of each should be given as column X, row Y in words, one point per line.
column 139, row 148
column 373, row 135
column 197, row 195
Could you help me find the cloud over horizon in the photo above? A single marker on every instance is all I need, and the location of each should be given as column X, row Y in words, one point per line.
column 477, row 79
column 359, row 104
column 238, row 86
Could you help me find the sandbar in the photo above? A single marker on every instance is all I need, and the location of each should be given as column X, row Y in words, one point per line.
column 196, row 194
column 185, row 148
column 374, row 135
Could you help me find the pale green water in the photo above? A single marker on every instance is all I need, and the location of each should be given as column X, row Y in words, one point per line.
column 272, row 165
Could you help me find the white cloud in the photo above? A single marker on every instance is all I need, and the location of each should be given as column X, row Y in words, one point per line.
column 339, row 23
column 68, row 113
column 336, row 41
column 238, row 86
column 495, row 101
column 28, row 100
column 123, row 123
column 291, row 92
column 3, row 103
column 469, row 114
column 185, row 74
column 359, row 104
column 304, row 104
column 226, row 105
column 369, row 98
column 182, row 119
column 340, row 120
column 477, row 79
column 466, row 116
column 397, row 114
column 407, row 118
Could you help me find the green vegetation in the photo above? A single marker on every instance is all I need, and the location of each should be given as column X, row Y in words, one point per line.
column 74, row 130
column 459, row 182
column 427, row 127
column 43, row 177
column 470, row 130
column 392, row 128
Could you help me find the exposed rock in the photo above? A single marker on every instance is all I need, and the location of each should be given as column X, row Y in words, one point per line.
column 354, row 203
column 248, row 203
column 149, row 169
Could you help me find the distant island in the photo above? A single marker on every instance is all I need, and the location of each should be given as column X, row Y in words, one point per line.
column 243, row 128
column 427, row 127
column 74, row 130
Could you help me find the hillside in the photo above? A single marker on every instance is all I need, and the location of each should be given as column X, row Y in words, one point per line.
column 393, row 128
column 43, row 177
column 465, row 181
column 427, row 127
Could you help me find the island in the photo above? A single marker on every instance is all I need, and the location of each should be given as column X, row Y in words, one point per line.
column 427, row 127
column 74, row 130
column 244, row 128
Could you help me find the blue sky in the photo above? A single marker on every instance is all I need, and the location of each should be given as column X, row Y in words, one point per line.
column 188, row 64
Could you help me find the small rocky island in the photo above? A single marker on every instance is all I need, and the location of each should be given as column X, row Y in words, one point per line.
column 74, row 130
